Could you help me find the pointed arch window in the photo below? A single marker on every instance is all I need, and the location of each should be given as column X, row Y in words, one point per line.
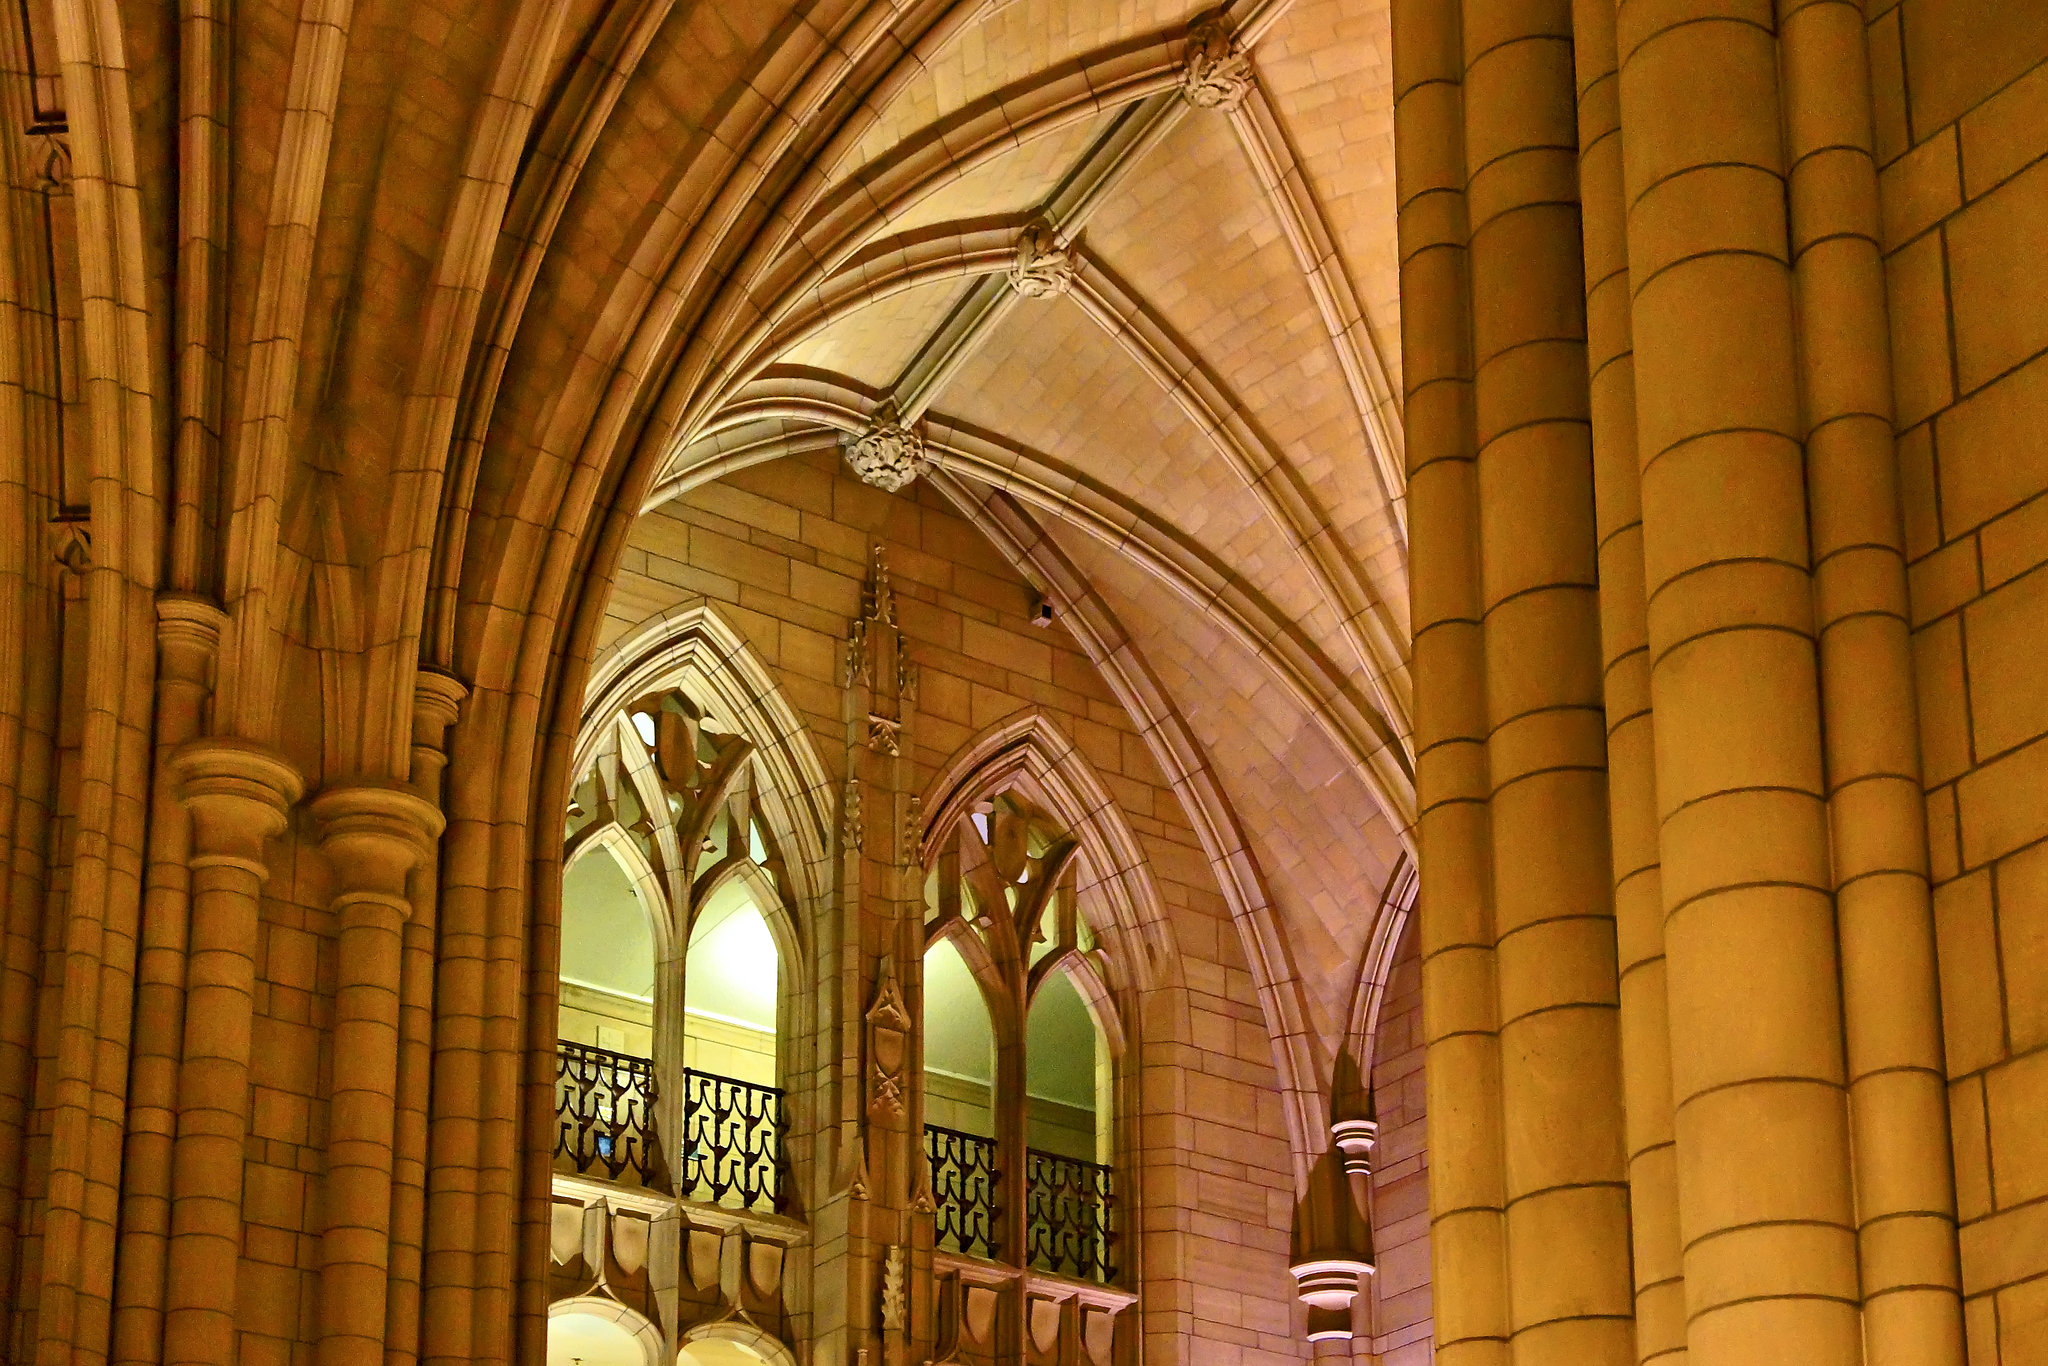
column 670, row 1067
column 1026, row 1176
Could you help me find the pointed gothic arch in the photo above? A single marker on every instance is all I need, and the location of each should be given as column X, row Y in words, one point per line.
column 1029, row 753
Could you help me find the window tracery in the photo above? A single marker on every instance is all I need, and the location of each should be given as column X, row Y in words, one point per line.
column 1038, row 1186
column 691, row 1099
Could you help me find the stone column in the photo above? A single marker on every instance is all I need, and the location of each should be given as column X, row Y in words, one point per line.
column 1566, row 1174
column 1625, row 668
column 238, row 796
column 1467, row 1229
column 436, row 700
column 373, row 835
column 1757, row 1066
column 188, row 634
column 1898, row 1095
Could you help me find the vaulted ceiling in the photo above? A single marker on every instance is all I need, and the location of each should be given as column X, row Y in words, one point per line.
column 1119, row 277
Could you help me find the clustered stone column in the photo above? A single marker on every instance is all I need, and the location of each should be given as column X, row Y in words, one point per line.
column 1676, row 931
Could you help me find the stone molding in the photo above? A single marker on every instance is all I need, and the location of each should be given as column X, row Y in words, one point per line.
column 188, row 631
column 1355, row 1138
column 1328, row 1286
column 438, row 696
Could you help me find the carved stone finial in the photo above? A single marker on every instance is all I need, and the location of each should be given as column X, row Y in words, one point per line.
column 1216, row 74
column 1044, row 264
column 887, row 454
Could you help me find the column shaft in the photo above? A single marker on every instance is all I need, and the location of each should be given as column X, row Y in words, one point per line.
column 1566, row 1173
column 1631, row 740
column 238, row 796
column 436, row 699
column 188, row 632
column 1466, row 1177
column 355, row 1246
column 1898, row 1096
column 373, row 836
column 1757, row 1066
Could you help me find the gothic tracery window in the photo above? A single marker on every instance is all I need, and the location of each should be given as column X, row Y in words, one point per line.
column 1021, row 1148
column 669, row 1068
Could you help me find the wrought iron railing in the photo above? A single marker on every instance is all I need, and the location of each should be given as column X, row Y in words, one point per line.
column 1069, row 1209
column 732, row 1142
column 963, row 1189
column 604, row 1108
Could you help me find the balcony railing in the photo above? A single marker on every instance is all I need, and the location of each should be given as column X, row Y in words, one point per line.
column 964, row 1189
column 732, row 1142
column 1068, row 1209
column 733, row 1131
column 604, row 1107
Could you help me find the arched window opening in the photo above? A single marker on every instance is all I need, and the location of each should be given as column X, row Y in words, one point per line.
column 718, row 1352
column 959, row 1045
column 1068, row 1177
column 585, row 1339
column 730, row 981
column 959, row 1102
column 1062, row 1073
column 1004, row 886
column 734, row 1111
column 607, row 958
column 672, row 980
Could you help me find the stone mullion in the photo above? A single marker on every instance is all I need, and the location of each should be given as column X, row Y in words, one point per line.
column 1898, row 1095
column 1761, row 1119
column 1466, row 1176
column 1631, row 738
column 1564, row 1161
column 188, row 634
column 238, row 796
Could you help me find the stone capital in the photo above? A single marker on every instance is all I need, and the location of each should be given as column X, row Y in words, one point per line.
column 1328, row 1285
column 188, row 629
column 1044, row 265
column 436, row 700
column 373, row 835
column 240, row 796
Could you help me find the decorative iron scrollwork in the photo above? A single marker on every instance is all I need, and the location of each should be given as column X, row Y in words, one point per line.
column 733, row 1142
column 963, row 1189
column 1068, row 1209
column 604, row 1107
